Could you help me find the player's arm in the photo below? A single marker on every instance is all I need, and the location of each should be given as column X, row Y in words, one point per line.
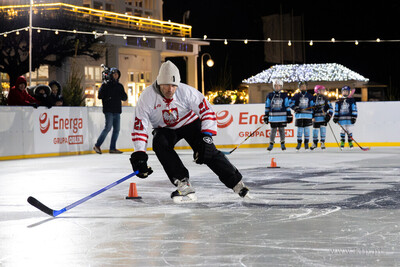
column 202, row 108
column 139, row 157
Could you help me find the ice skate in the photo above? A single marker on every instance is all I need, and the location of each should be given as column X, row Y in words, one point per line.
column 306, row 146
column 184, row 192
column 283, row 147
column 322, row 145
column 271, row 146
column 314, row 145
column 351, row 144
column 242, row 190
column 298, row 146
column 341, row 145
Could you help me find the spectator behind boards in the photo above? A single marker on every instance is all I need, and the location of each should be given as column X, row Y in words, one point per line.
column 18, row 95
column 56, row 97
column 42, row 94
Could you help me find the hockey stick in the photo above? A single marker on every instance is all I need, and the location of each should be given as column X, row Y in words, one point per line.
column 362, row 148
column 230, row 152
column 333, row 133
column 39, row 205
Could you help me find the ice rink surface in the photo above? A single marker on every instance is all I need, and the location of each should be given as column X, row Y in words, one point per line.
column 326, row 208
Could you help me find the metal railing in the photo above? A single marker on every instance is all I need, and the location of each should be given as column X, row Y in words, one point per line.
column 101, row 17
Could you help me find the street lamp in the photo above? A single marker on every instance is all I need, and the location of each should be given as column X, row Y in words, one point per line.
column 210, row 63
column 30, row 42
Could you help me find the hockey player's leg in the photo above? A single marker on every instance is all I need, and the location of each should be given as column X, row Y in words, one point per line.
column 342, row 138
column 300, row 131
column 323, row 136
column 306, row 137
column 217, row 162
column 315, row 138
column 228, row 174
column 163, row 145
column 282, row 135
column 272, row 139
column 349, row 136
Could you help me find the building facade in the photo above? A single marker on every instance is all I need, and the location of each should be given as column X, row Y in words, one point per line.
column 133, row 37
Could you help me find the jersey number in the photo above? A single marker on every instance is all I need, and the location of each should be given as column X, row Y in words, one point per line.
column 203, row 106
column 138, row 126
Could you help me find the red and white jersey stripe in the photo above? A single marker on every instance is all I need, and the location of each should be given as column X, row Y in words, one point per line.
column 187, row 105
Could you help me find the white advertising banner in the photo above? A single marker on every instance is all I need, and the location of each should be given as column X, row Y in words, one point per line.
column 60, row 130
column 236, row 122
column 28, row 131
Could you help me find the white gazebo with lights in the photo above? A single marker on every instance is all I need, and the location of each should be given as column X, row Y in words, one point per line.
column 333, row 76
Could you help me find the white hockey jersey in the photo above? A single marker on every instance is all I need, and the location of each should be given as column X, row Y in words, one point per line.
column 153, row 109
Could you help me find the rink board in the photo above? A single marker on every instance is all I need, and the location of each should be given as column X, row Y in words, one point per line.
column 26, row 132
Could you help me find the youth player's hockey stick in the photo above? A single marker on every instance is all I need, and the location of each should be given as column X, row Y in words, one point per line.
column 230, row 152
column 333, row 133
column 362, row 148
column 39, row 205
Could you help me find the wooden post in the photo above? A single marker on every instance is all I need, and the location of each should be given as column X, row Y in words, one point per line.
column 364, row 94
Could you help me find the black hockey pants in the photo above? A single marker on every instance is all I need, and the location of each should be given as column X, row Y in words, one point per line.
column 163, row 145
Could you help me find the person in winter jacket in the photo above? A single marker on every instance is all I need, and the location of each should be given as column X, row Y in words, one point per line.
column 18, row 95
column 42, row 94
column 111, row 93
column 56, row 97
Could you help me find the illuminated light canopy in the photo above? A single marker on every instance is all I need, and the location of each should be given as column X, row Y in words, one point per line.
column 306, row 72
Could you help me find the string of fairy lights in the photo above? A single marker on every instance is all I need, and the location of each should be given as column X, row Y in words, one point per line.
column 225, row 41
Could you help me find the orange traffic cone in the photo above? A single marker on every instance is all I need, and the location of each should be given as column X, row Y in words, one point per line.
column 133, row 192
column 273, row 164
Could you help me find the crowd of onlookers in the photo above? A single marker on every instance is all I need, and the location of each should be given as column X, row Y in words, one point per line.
column 39, row 95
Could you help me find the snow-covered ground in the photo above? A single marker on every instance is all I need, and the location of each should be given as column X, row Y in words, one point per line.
column 319, row 208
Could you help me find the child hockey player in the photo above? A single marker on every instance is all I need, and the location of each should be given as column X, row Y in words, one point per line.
column 302, row 105
column 346, row 116
column 322, row 114
column 277, row 113
column 178, row 111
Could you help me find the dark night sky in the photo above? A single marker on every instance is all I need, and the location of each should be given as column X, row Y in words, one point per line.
column 380, row 62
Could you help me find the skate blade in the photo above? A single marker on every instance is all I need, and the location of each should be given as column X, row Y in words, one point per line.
column 185, row 199
column 248, row 196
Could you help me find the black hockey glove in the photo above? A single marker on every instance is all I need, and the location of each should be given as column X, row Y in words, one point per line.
column 266, row 119
column 353, row 120
column 139, row 163
column 328, row 117
column 335, row 119
column 297, row 109
column 289, row 117
column 206, row 150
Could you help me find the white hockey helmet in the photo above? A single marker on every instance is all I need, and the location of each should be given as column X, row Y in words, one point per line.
column 277, row 82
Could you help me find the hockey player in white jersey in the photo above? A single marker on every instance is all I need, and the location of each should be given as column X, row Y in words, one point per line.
column 178, row 111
